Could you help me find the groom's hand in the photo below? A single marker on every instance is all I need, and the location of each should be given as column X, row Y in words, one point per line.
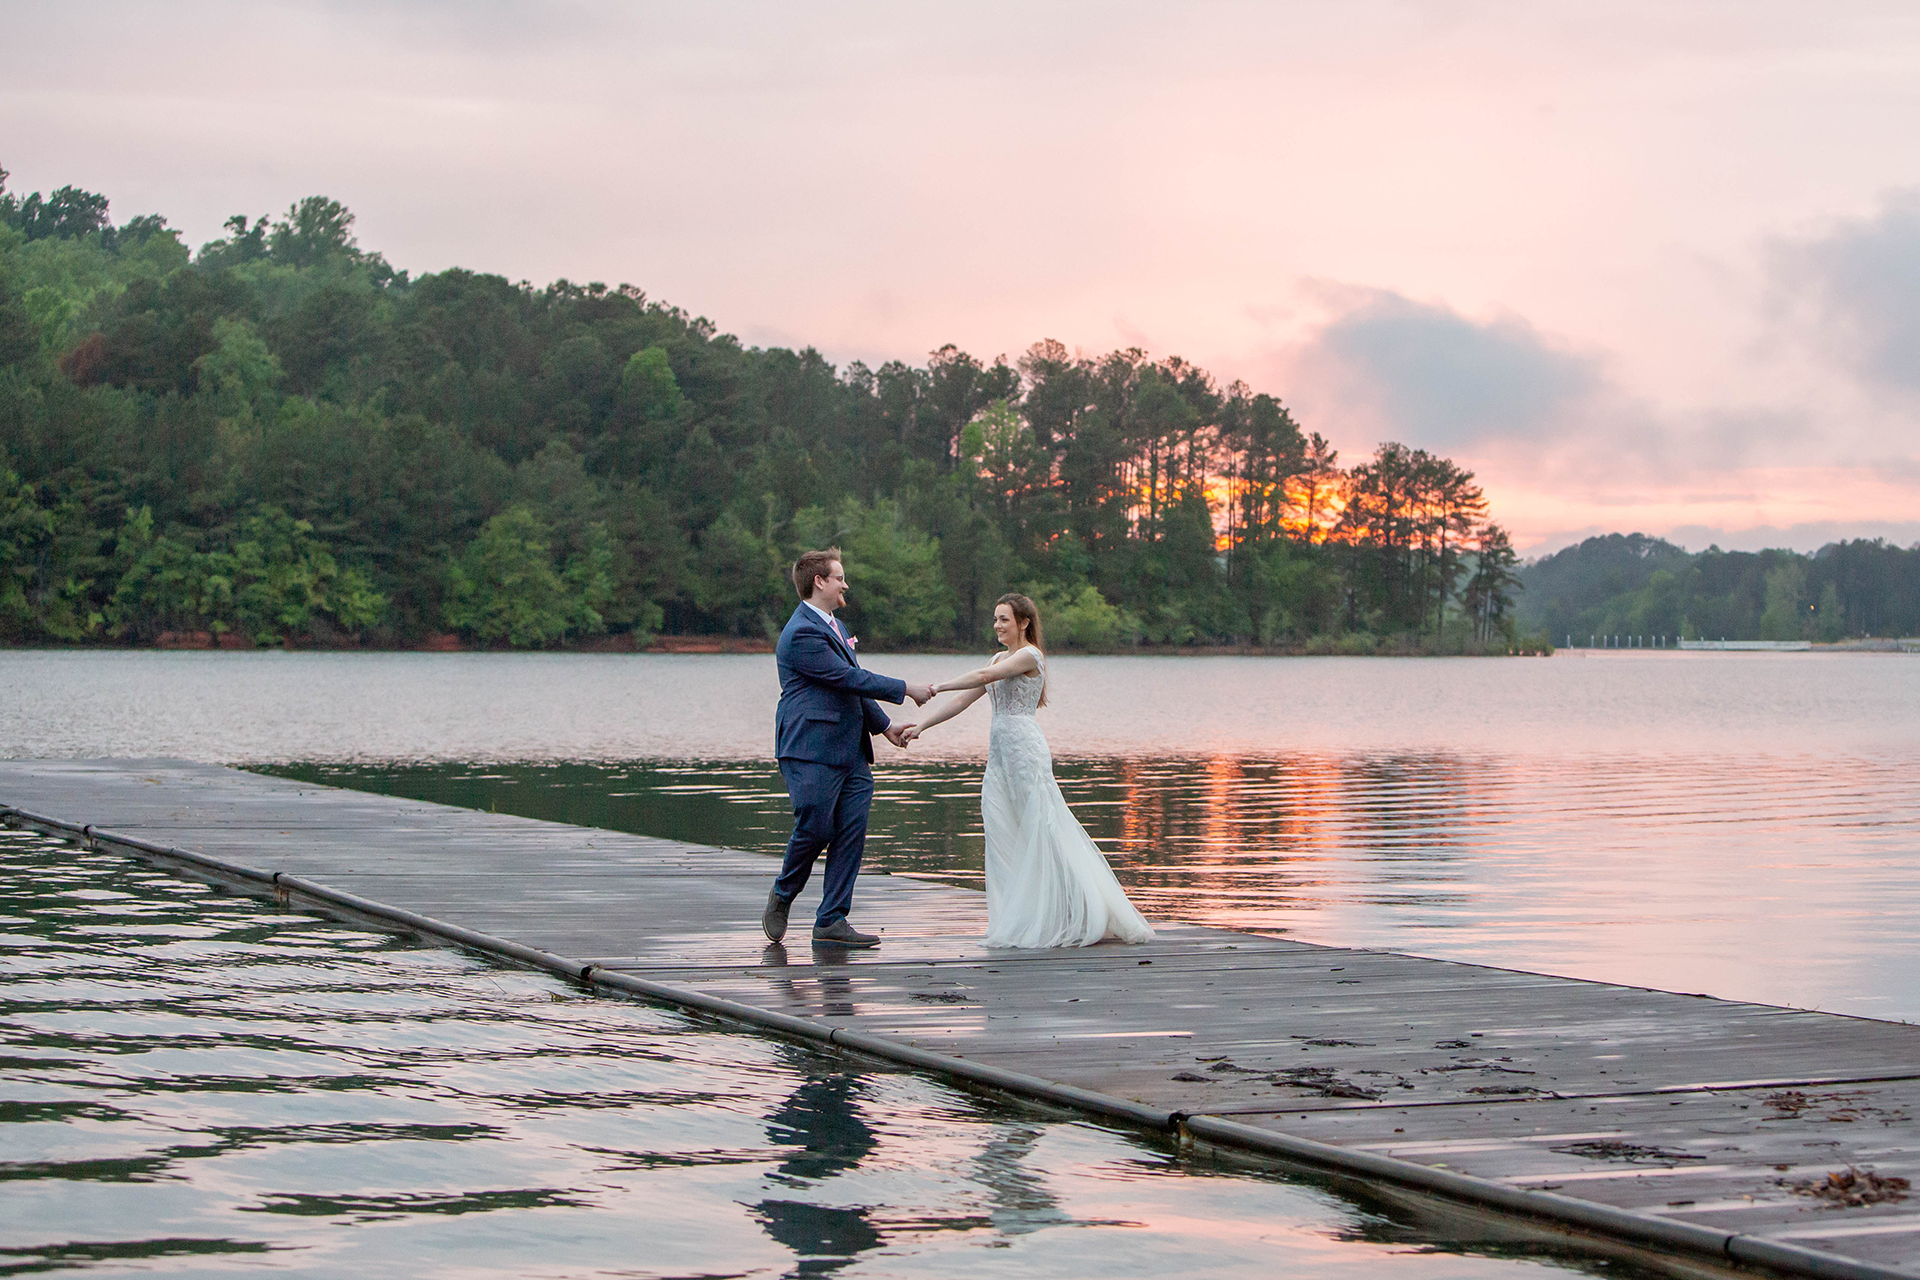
column 920, row 693
column 897, row 734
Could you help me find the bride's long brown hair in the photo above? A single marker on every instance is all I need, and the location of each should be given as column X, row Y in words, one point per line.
column 1028, row 616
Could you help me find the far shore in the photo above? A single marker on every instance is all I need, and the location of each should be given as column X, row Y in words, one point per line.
column 1349, row 646
column 1342, row 647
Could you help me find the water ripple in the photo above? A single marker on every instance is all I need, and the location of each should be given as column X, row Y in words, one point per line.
column 198, row 1081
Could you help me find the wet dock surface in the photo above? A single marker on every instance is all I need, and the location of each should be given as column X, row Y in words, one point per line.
column 1680, row 1107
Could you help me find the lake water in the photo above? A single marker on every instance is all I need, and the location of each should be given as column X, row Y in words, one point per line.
column 1745, row 825
column 193, row 1082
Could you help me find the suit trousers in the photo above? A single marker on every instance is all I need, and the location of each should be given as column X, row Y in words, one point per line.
column 830, row 805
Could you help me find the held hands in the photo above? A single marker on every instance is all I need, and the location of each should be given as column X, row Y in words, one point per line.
column 920, row 693
column 900, row 734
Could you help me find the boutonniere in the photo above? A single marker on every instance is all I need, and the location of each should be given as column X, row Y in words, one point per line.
column 853, row 642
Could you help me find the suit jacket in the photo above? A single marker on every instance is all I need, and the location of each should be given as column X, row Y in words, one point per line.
column 827, row 711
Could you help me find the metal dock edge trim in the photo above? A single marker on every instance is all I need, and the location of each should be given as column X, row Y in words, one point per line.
column 1602, row 1220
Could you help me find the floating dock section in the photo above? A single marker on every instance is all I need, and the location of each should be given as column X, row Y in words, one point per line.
column 1707, row 1133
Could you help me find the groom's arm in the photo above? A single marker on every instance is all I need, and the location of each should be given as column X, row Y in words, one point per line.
column 877, row 721
column 814, row 657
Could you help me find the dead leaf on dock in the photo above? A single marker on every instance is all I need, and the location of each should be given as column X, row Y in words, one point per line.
column 1840, row 1107
column 1852, row 1188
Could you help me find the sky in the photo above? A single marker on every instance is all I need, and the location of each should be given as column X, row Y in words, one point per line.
column 1646, row 267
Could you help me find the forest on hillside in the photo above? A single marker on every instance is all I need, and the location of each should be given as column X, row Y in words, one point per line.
column 277, row 438
column 1631, row 584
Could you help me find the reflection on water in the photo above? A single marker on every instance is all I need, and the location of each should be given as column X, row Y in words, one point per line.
column 820, row 991
column 1666, row 819
column 192, row 1081
column 821, row 1121
column 1664, row 872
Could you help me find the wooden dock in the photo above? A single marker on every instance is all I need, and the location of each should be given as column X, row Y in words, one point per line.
column 1679, row 1124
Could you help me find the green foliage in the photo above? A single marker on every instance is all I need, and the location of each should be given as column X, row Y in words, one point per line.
column 24, row 529
column 267, row 578
column 505, row 588
column 165, row 584
column 283, row 580
column 1487, row 600
column 1635, row 585
column 52, row 561
column 904, row 598
column 314, row 230
column 589, row 581
column 284, row 438
column 1080, row 618
column 1406, row 519
column 1001, row 444
column 1294, row 592
column 1788, row 614
column 1828, row 623
column 238, row 374
column 738, row 578
column 647, row 385
column 66, row 214
column 899, row 595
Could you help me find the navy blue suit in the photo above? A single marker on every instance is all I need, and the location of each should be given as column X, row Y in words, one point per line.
column 823, row 736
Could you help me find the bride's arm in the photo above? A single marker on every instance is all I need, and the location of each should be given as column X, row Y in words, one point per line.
column 946, row 711
column 1023, row 663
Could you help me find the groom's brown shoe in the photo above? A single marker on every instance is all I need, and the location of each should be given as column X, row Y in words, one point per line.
column 774, row 918
column 842, row 934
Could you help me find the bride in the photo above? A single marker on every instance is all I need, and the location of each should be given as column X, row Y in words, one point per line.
column 1047, row 884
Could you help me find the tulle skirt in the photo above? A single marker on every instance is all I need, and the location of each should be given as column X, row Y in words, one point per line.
column 1047, row 883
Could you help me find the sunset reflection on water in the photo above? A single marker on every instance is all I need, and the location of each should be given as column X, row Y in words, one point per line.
column 1786, row 881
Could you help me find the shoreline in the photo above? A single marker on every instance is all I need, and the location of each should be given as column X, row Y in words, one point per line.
column 1344, row 647
column 702, row 646
column 202, row 642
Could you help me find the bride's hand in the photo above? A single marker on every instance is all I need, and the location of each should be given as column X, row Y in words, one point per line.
column 911, row 732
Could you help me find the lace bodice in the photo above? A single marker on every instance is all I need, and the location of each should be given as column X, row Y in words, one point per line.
column 1019, row 695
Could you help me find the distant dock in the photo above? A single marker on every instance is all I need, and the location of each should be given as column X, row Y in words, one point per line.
column 1750, row 646
column 1708, row 1134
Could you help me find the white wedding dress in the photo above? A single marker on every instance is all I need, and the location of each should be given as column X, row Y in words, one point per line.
column 1047, row 883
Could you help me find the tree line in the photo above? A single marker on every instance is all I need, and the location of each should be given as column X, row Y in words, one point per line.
column 279, row 438
column 1631, row 584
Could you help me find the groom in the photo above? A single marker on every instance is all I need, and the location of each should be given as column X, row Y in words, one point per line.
column 823, row 736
